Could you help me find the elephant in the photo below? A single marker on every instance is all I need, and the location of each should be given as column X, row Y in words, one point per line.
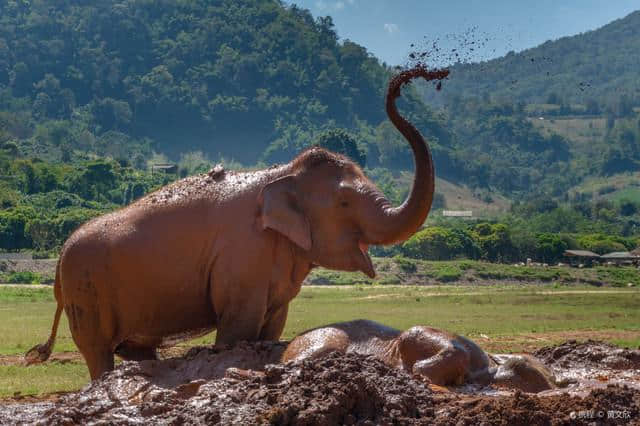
column 440, row 357
column 227, row 250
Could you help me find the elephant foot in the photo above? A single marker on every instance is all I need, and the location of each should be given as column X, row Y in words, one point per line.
column 130, row 352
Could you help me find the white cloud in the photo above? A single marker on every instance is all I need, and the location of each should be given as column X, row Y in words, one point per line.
column 390, row 28
column 333, row 5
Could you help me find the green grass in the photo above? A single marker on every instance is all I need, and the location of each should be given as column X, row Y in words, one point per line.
column 42, row 379
column 493, row 311
column 400, row 270
column 615, row 188
column 505, row 313
column 24, row 277
column 627, row 193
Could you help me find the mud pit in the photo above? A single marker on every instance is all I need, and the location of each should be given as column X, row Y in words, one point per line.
column 241, row 386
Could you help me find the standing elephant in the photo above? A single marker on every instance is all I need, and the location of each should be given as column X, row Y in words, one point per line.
column 227, row 250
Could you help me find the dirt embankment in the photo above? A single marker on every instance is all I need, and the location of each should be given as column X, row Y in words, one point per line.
column 42, row 266
column 242, row 386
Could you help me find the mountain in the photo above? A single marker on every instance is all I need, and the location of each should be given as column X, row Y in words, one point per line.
column 244, row 79
column 256, row 81
column 603, row 64
column 539, row 122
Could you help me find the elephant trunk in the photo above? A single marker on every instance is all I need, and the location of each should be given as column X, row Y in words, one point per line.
column 397, row 224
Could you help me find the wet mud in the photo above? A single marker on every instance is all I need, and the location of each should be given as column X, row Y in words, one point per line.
column 572, row 354
column 245, row 385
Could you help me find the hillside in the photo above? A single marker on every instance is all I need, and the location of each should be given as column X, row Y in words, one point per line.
column 601, row 65
column 93, row 93
column 247, row 80
column 256, row 81
column 542, row 121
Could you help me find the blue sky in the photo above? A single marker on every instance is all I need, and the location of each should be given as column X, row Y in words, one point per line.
column 388, row 31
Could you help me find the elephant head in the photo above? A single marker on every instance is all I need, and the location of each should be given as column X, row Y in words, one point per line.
column 327, row 206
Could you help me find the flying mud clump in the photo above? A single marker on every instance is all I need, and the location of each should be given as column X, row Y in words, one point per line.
column 473, row 46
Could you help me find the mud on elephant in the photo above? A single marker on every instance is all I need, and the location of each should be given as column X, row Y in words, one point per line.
column 440, row 357
column 227, row 250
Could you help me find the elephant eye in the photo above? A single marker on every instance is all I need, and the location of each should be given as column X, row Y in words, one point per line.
column 344, row 204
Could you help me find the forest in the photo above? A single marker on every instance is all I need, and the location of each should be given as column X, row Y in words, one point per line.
column 92, row 94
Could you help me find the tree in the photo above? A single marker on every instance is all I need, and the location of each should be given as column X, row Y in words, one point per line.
column 438, row 243
column 340, row 141
column 627, row 207
column 42, row 233
column 111, row 114
column 13, row 224
column 495, row 242
column 554, row 99
column 549, row 247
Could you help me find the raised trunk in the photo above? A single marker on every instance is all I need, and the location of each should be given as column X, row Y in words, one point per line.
column 396, row 224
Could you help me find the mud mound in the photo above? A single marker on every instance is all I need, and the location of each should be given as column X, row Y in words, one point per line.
column 591, row 353
column 240, row 385
column 613, row 405
column 339, row 389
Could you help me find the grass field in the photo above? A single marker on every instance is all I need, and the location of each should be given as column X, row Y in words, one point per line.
column 614, row 188
column 579, row 130
column 501, row 318
column 469, row 272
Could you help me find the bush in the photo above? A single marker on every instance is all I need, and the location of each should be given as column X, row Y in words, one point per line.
column 407, row 265
column 438, row 243
column 448, row 274
column 549, row 247
column 24, row 277
column 602, row 243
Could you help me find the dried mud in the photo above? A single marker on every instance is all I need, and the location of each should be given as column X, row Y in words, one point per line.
column 241, row 385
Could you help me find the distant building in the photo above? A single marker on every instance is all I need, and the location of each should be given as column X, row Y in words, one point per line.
column 620, row 257
column 165, row 167
column 581, row 257
column 457, row 213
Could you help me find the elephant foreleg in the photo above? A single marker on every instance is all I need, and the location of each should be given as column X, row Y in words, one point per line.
column 274, row 324
column 240, row 319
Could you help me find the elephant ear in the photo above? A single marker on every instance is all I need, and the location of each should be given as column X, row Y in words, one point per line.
column 280, row 212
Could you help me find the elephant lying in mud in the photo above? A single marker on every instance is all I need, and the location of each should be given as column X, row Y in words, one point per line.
column 227, row 250
column 441, row 357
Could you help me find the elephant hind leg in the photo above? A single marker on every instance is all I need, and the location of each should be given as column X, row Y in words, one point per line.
column 85, row 324
column 131, row 352
column 99, row 360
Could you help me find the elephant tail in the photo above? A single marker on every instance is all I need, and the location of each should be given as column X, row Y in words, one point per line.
column 40, row 353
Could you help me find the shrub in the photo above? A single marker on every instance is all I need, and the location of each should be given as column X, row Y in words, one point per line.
column 438, row 243
column 448, row 274
column 23, row 277
column 42, row 255
column 405, row 264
